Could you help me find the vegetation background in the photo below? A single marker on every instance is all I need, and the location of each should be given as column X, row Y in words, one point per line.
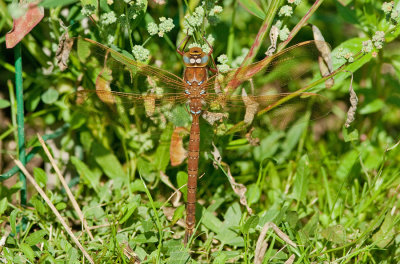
column 319, row 193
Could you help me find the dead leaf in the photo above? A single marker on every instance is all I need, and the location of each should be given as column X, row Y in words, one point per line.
column 252, row 141
column 24, row 24
column 177, row 194
column 261, row 245
column 238, row 188
column 353, row 102
column 130, row 254
column 273, row 36
column 251, row 107
column 176, row 150
column 212, row 117
column 325, row 58
column 64, row 49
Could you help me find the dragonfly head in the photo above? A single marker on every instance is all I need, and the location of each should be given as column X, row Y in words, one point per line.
column 195, row 57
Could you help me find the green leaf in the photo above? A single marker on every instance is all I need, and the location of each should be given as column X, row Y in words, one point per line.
column 335, row 234
column 13, row 221
column 301, row 179
column 179, row 257
column 180, row 116
column 36, row 237
column 372, row 107
column 252, row 7
column 386, row 233
column 146, row 169
column 61, row 206
column 162, row 153
column 90, row 178
column 220, row 259
column 28, row 252
column 131, row 207
column 40, row 176
column 346, row 164
column 182, row 179
column 349, row 137
column 252, row 222
column 233, row 215
column 4, row 103
column 348, row 14
column 107, row 161
column 56, row 3
column 50, row 96
column 253, row 194
column 149, row 237
column 178, row 214
column 40, row 208
column 3, row 205
column 137, row 185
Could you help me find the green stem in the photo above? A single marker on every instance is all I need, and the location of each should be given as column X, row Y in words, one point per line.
column 231, row 37
column 20, row 117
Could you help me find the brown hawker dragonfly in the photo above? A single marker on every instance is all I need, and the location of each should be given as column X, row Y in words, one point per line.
column 247, row 88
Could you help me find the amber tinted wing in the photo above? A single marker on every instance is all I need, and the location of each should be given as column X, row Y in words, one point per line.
column 101, row 61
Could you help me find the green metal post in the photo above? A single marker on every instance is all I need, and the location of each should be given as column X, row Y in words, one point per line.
column 20, row 117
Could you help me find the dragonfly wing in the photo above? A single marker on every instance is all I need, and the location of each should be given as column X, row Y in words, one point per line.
column 273, row 73
column 120, row 68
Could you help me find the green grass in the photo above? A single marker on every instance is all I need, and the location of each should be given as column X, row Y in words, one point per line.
column 316, row 192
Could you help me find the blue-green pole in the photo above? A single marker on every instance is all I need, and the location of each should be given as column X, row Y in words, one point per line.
column 20, row 117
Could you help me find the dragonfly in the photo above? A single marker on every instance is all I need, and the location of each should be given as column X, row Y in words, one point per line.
column 203, row 90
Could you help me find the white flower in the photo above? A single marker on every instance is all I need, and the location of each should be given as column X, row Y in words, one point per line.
column 367, row 46
column 87, row 10
column 284, row 33
column 152, row 28
column 223, row 68
column 140, row 53
column 286, row 11
column 108, row 18
column 296, row 2
column 165, row 26
column 387, row 7
column 223, row 59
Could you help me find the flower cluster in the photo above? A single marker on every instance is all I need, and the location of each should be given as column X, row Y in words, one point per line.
column 223, row 67
column 194, row 20
column 378, row 39
column 345, row 54
column 238, row 60
column 390, row 11
column 165, row 26
column 284, row 33
column 87, row 10
column 108, row 18
column 367, row 46
column 140, row 53
column 286, row 10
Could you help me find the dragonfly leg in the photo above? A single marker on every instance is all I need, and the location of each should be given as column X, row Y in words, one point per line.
column 186, row 39
column 214, row 69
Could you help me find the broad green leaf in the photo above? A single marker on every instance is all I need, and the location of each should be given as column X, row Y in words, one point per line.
column 146, row 169
column 372, row 107
column 346, row 164
column 4, row 103
column 149, row 237
column 137, row 185
column 252, row 222
column 107, row 161
column 40, row 208
column 252, row 7
column 3, row 205
column 220, row 259
column 178, row 214
column 180, row 116
column 40, row 176
column 386, row 233
column 90, row 178
column 233, row 215
column 131, row 207
column 212, row 222
column 352, row 136
column 162, row 153
column 50, row 96
column 13, row 221
column 253, row 194
column 311, row 227
column 36, row 237
column 347, row 13
column 179, row 257
column 301, row 179
column 229, row 237
column 56, row 3
column 72, row 256
column 61, row 206
column 182, row 179
column 28, row 252
column 335, row 234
